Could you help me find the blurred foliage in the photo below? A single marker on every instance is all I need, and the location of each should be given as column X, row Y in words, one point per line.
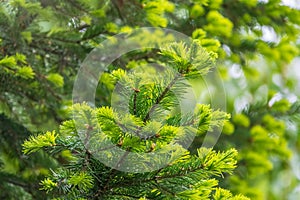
column 43, row 42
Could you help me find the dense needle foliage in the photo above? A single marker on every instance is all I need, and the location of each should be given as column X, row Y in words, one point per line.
column 248, row 44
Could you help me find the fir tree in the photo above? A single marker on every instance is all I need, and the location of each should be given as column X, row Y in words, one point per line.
column 42, row 43
column 152, row 124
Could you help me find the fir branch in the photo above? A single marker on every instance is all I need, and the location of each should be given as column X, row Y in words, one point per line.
column 208, row 163
column 161, row 97
column 34, row 144
column 122, row 159
column 121, row 195
column 136, row 91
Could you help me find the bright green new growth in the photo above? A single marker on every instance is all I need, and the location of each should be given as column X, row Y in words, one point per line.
column 148, row 121
column 36, row 143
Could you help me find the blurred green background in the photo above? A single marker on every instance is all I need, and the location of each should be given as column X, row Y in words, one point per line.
column 256, row 79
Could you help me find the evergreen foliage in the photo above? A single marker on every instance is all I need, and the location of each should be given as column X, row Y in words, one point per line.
column 19, row 175
column 186, row 176
column 42, row 44
column 263, row 146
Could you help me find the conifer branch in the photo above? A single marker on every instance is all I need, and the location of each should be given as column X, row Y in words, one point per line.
column 136, row 91
column 183, row 176
column 122, row 159
column 161, row 97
